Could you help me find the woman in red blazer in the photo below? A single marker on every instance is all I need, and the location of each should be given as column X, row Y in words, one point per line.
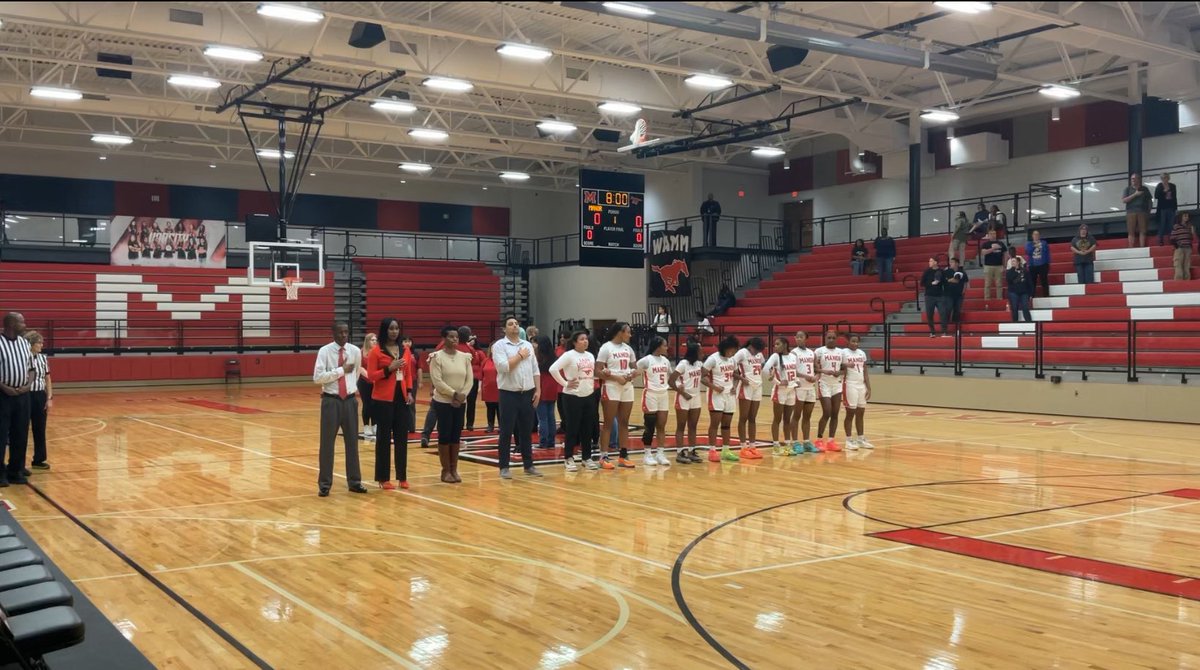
column 392, row 370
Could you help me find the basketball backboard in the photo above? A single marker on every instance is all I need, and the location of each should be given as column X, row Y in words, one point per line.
column 272, row 263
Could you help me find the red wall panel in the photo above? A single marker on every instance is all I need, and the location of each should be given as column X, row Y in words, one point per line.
column 400, row 215
column 1070, row 131
column 1106, row 122
column 101, row 368
column 843, row 174
column 798, row 178
column 490, row 221
column 138, row 199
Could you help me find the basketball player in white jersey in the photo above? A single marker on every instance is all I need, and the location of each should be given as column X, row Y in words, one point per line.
column 856, row 393
column 748, row 373
column 614, row 364
column 828, row 360
column 717, row 376
column 685, row 379
column 806, row 396
column 656, row 371
column 781, row 370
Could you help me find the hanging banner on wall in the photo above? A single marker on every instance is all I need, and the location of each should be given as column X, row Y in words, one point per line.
column 159, row 242
column 670, row 263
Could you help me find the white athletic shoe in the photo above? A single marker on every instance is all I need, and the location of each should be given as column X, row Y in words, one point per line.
column 851, row 444
column 592, row 465
column 649, row 458
column 862, row 442
column 570, row 466
column 662, row 459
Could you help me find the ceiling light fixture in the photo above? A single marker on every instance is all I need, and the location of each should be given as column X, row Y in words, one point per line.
column 428, row 134
column 618, row 107
column 398, row 106
column 193, row 81
column 274, row 154
column 104, row 158
column 1055, row 115
column 628, row 8
column 290, row 13
column 966, row 7
column 707, row 81
column 51, row 93
column 114, row 140
column 524, row 52
column 768, row 152
column 419, row 168
column 233, row 53
column 514, row 176
column 939, row 115
column 447, row 84
column 1059, row 92
column 555, row 126
column 212, row 165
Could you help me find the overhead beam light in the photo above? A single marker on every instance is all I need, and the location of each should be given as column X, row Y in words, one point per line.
column 707, row 81
column 514, row 176
column 619, row 108
column 553, row 126
column 428, row 134
column 939, row 115
column 114, row 140
column 1059, row 92
column 447, row 84
column 628, row 8
column 419, row 168
column 50, row 93
column 193, row 81
column 398, row 106
column 524, row 52
column 273, row 154
column 768, row 152
column 966, row 7
column 233, row 53
column 290, row 12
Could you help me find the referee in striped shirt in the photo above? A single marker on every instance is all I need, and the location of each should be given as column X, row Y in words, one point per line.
column 16, row 378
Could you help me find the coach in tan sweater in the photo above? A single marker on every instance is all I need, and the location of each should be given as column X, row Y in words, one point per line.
column 450, row 370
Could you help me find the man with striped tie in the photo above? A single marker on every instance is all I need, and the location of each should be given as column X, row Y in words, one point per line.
column 16, row 377
column 338, row 366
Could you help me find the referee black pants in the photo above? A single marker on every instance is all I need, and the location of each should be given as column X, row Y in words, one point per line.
column 516, row 416
column 14, row 432
column 37, row 419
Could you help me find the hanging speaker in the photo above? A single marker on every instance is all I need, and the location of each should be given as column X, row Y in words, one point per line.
column 781, row 58
column 365, row 35
column 603, row 135
column 261, row 228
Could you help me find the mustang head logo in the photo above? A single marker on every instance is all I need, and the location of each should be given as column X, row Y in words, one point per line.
column 670, row 274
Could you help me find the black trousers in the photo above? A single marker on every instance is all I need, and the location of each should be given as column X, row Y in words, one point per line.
column 364, row 394
column 14, row 431
column 935, row 303
column 579, row 422
column 474, row 395
column 337, row 414
column 493, row 411
column 516, row 416
column 449, row 421
column 1040, row 273
column 954, row 305
column 37, row 419
column 391, row 423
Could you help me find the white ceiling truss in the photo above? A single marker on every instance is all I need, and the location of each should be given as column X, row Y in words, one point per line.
column 597, row 57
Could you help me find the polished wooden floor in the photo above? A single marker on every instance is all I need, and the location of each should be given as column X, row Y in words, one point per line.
column 577, row 570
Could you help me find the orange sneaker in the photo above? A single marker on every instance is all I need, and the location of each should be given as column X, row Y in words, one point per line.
column 832, row 445
column 820, row 445
column 625, row 463
column 387, row 486
column 746, row 454
column 714, row 456
column 607, row 464
column 755, row 452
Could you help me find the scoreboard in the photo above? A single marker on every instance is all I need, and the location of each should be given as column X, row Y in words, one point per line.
column 612, row 227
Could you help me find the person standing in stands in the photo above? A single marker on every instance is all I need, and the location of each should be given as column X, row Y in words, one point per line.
column 955, row 287
column 1168, row 203
column 993, row 252
column 519, row 381
column 1083, row 246
column 393, row 370
column 16, row 378
column 998, row 222
column 885, row 255
column 336, row 370
column 450, row 374
column 41, row 399
column 662, row 321
column 1183, row 236
column 1039, row 263
column 934, row 283
column 1018, row 289
column 1137, row 210
column 962, row 233
column 858, row 257
column 725, row 300
column 710, row 214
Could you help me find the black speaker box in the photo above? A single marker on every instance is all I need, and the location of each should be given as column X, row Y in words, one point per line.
column 262, row 228
column 781, row 58
column 365, row 35
column 603, row 135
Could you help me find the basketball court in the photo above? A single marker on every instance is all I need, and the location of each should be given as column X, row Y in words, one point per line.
column 188, row 516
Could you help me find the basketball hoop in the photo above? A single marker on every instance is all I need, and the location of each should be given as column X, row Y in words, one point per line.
column 292, row 288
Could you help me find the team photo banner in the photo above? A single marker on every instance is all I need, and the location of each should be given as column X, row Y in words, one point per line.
column 670, row 263
column 161, row 242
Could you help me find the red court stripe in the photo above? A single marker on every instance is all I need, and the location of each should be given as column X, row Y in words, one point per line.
column 225, row 407
column 1193, row 494
column 1129, row 576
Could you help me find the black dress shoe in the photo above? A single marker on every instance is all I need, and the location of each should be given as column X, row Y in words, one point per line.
column 17, row 479
column 358, row 488
column 324, row 493
column 25, row 472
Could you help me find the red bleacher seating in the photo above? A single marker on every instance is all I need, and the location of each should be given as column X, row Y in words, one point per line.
column 428, row 295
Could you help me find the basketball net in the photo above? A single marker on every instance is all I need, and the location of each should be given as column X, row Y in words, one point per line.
column 292, row 288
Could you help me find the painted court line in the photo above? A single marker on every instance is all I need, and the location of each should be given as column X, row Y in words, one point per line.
column 1044, row 451
column 222, row 406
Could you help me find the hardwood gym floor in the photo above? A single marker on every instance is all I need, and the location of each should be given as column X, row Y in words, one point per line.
column 958, row 550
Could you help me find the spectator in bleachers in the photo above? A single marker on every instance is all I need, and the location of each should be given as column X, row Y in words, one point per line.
column 710, row 214
column 885, row 255
column 1083, row 246
column 992, row 253
column 365, row 388
column 703, row 325
column 1038, row 252
column 956, row 285
column 958, row 240
column 858, row 257
column 1183, row 236
column 725, row 300
column 979, row 224
column 1137, row 210
column 998, row 222
column 933, row 281
column 662, row 321
column 1018, row 289
column 1166, row 198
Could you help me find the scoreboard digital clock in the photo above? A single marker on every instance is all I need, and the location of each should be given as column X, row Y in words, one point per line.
column 612, row 227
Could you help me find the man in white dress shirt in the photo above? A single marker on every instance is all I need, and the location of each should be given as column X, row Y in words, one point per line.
column 519, row 381
column 337, row 369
